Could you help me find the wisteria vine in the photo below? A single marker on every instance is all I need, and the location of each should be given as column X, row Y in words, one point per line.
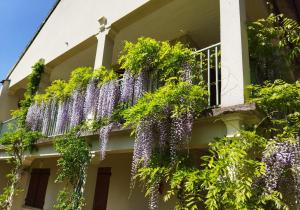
column 99, row 96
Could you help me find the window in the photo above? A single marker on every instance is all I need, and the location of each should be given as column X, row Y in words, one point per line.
column 102, row 186
column 37, row 188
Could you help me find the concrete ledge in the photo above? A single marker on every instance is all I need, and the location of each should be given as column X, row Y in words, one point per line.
column 241, row 108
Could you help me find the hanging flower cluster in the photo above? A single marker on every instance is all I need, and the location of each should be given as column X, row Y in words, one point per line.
column 55, row 114
column 278, row 158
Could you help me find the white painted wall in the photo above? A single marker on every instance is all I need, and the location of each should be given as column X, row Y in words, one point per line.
column 71, row 22
column 84, row 58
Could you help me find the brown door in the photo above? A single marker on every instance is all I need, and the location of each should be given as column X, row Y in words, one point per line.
column 102, row 186
column 37, row 188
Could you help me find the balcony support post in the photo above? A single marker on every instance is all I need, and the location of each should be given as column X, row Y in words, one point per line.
column 235, row 71
column 105, row 45
column 234, row 124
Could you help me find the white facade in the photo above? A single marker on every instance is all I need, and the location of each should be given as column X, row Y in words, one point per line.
column 73, row 36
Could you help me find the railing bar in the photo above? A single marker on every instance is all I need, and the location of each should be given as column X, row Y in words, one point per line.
column 206, row 48
column 217, row 76
column 50, row 120
column 54, row 120
column 208, row 75
column 6, row 121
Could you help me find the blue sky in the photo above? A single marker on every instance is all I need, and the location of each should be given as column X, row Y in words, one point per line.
column 19, row 20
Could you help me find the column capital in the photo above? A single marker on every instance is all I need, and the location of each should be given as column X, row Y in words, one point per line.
column 110, row 32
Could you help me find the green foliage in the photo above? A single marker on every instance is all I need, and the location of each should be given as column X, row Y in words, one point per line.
column 60, row 89
column 20, row 140
column 34, row 81
column 231, row 172
column 280, row 102
column 73, row 162
column 180, row 98
column 65, row 200
column 104, row 75
column 228, row 177
column 79, row 78
column 174, row 179
column 57, row 90
column 274, row 46
column 136, row 57
column 75, row 155
column 162, row 58
column 172, row 59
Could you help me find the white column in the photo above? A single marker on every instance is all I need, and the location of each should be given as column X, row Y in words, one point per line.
column 104, row 50
column 105, row 45
column 235, row 56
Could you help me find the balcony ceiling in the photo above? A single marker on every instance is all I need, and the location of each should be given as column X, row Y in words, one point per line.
column 198, row 21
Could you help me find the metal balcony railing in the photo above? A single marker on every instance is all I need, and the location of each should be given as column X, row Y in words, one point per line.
column 210, row 65
column 7, row 126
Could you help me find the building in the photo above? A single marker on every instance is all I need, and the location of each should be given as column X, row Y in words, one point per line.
column 91, row 33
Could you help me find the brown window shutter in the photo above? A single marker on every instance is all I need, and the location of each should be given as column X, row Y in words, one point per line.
column 37, row 188
column 32, row 189
column 102, row 187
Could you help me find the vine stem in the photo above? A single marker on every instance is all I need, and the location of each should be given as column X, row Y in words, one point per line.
column 79, row 189
column 13, row 187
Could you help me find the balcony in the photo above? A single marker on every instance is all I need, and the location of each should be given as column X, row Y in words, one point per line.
column 208, row 61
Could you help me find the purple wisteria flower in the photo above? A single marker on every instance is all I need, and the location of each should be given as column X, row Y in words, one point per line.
column 91, row 99
column 127, row 88
column 278, row 158
column 63, row 117
column 78, row 98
